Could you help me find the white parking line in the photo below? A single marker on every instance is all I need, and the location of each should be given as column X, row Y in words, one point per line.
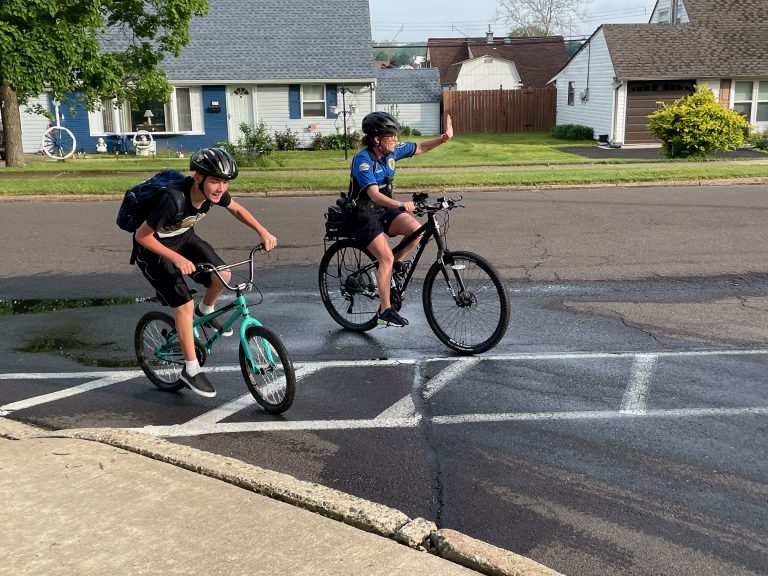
column 66, row 393
column 636, row 395
column 403, row 413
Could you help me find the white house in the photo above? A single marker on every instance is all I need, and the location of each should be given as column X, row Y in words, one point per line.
column 412, row 95
column 622, row 71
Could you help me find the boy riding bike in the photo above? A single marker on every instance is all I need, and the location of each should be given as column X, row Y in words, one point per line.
column 166, row 249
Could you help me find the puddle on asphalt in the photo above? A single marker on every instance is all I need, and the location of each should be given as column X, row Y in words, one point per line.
column 37, row 306
column 74, row 349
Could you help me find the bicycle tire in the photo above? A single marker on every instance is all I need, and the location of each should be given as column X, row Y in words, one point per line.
column 480, row 319
column 151, row 331
column 350, row 296
column 58, row 143
column 274, row 386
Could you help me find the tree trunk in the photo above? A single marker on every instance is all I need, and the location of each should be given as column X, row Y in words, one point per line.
column 9, row 106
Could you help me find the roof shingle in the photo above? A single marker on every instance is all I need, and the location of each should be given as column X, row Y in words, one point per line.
column 277, row 40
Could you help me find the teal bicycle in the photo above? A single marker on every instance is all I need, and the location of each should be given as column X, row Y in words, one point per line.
column 264, row 361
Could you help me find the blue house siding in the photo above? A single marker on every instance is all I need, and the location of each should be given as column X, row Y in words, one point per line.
column 214, row 127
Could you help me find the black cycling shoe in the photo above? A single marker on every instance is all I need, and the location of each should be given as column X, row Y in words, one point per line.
column 391, row 318
column 199, row 383
column 216, row 323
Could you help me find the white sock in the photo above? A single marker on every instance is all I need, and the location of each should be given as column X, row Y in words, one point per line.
column 205, row 309
column 193, row 367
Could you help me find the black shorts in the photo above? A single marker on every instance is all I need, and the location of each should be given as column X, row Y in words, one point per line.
column 373, row 219
column 164, row 277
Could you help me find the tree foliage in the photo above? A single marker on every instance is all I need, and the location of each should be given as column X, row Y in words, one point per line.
column 548, row 17
column 697, row 125
column 99, row 48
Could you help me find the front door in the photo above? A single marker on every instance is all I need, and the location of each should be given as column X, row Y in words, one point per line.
column 240, row 110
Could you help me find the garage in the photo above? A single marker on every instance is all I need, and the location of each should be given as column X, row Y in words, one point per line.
column 642, row 98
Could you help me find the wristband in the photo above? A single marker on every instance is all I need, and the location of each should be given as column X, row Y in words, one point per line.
column 444, row 138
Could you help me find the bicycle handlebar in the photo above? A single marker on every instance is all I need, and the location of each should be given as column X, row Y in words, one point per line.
column 207, row 267
column 442, row 203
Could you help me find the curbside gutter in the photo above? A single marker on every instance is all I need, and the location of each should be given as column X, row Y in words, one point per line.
column 378, row 519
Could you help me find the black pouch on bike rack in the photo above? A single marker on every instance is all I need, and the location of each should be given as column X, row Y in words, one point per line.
column 340, row 220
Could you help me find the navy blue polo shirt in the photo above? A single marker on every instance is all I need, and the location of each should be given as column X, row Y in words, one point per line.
column 368, row 170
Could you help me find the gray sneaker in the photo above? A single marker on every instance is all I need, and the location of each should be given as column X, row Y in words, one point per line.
column 199, row 383
column 216, row 323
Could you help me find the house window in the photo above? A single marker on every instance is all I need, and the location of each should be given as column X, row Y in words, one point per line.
column 762, row 102
column 313, row 100
column 181, row 114
column 664, row 17
column 571, row 93
column 108, row 115
column 183, row 110
column 742, row 99
column 150, row 116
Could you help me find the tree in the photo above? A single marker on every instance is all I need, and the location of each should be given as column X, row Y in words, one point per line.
column 95, row 48
column 697, row 125
column 549, row 17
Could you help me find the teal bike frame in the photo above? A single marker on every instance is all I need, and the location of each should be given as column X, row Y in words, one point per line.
column 239, row 309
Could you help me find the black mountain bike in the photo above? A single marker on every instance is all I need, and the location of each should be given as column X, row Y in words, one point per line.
column 465, row 302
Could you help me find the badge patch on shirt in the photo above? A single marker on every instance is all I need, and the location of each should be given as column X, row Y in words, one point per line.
column 391, row 163
column 364, row 167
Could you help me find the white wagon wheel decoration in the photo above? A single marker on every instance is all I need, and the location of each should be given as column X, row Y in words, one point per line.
column 58, row 143
column 142, row 140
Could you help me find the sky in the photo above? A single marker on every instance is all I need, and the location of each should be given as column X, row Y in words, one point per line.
column 417, row 20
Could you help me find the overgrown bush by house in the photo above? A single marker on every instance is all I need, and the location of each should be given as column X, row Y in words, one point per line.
column 697, row 125
column 335, row 141
column 408, row 131
column 759, row 139
column 573, row 132
column 253, row 147
column 288, row 140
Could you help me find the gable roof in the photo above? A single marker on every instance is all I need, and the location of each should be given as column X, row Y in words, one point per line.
column 724, row 38
column 537, row 59
column 277, row 40
column 408, row 86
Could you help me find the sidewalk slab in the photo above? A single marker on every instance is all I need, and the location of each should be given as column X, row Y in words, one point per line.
column 109, row 501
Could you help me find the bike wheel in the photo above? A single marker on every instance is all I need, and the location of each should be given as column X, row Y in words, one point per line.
column 272, row 380
column 162, row 366
column 58, row 143
column 348, row 285
column 477, row 317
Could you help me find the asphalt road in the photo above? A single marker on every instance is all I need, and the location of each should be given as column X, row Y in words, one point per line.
column 618, row 428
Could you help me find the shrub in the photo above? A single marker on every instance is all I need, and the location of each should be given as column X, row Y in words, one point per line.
column 573, row 132
column 697, row 125
column 408, row 131
column 759, row 140
column 287, row 140
column 253, row 147
column 335, row 141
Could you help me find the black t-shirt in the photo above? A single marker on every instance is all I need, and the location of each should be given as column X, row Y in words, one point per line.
column 164, row 218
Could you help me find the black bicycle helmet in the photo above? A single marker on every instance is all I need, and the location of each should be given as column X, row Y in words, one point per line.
column 215, row 162
column 380, row 123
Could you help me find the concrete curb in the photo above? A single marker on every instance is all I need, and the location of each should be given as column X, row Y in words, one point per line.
column 375, row 518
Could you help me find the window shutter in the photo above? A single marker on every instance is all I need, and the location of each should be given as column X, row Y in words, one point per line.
column 330, row 100
column 294, row 101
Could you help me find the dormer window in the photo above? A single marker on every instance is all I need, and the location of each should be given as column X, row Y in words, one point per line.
column 664, row 17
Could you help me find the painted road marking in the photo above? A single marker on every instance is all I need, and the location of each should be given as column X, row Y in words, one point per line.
column 403, row 413
column 636, row 395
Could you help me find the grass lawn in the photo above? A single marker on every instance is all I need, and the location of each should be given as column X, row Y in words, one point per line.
column 468, row 161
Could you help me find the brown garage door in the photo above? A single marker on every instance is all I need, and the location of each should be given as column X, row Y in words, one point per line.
column 642, row 100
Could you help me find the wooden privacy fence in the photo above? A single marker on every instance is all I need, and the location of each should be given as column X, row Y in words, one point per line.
column 523, row 110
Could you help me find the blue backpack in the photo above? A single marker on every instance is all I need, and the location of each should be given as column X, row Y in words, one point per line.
column 140, row 199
